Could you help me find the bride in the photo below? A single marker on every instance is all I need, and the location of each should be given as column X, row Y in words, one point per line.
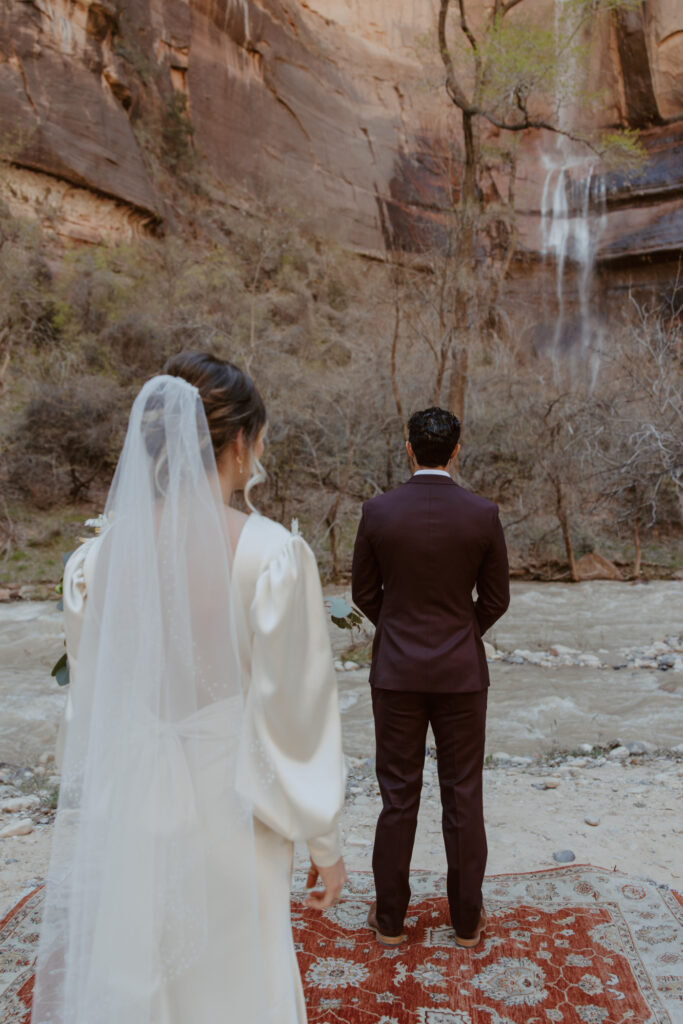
column 204, row 734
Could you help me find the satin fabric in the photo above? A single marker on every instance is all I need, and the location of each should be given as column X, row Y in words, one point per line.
column 290, row 763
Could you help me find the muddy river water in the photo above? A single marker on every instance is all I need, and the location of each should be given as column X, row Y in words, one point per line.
column 532, row 708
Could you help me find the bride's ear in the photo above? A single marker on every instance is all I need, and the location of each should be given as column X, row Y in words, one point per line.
column 240, row 447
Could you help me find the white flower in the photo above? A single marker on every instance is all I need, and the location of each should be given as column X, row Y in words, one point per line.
column 329, row 972
column 576, row 960
column 513, row 981
column 349, row 914
column 591, row 985
column 400, row 974
column 607, row 935
column 592, row 1014
column 98, row 523
column 429, row 974
column 427, row 1015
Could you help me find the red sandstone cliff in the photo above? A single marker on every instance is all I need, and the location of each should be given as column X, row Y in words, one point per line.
column 318, row 101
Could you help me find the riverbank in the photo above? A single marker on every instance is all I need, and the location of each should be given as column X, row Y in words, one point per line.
column 533, row 811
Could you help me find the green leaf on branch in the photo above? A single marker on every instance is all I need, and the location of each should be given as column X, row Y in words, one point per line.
column 344, row 615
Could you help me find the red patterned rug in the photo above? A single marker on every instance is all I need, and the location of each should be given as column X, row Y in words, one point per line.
column 575, row 945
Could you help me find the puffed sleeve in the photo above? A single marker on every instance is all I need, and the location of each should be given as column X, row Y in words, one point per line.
column 291, row 765
column 77, row 573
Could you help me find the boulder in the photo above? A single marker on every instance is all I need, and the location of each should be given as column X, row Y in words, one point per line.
column 594, row 566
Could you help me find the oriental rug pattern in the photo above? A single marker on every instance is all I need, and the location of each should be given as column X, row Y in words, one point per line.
column 574, row 945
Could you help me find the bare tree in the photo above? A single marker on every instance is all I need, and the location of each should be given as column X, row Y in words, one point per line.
column 636, row 447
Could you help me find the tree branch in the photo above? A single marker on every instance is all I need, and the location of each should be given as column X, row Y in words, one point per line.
column 453, row 87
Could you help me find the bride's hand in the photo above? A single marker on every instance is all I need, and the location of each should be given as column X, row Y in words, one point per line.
column 333, row 879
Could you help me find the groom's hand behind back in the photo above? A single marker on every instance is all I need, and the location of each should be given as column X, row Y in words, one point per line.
column 333, row 879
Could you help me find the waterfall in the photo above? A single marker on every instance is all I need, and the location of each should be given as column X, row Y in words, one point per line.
column 573, row 207
column 573, row 213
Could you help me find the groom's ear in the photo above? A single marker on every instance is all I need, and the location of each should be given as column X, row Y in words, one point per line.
column 455, row 452
column 411, row 453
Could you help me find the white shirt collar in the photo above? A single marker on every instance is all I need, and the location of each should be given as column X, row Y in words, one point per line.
column 436, row 472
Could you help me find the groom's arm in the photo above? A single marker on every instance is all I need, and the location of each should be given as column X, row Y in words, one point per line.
column 493, row 580
column 366, row 578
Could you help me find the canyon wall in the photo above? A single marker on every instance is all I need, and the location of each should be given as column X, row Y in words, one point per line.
column 323, row 105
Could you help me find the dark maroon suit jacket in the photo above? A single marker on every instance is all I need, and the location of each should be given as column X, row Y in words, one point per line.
column 420, row 551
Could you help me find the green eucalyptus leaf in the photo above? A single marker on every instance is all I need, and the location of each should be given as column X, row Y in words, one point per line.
column 339, row 608
column 61, row 671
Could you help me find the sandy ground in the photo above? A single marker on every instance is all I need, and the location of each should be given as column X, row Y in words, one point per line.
column 637, row 803
column 638, row 806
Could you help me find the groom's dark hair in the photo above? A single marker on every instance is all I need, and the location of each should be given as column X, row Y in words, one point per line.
column 433, row 434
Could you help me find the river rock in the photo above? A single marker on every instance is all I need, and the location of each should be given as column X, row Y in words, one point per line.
column 639, row 747
column 585, row 748
column 19, row 803
column 619, row 753
column 595, row 566
column 564, row 856
column 500, row 757
column 350, row 666
column 591, row 820
column 5, row 594
column 589, row 661
column 23, row 827
column 557, row 650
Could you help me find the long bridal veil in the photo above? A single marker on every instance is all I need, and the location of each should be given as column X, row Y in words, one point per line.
column 139, row 901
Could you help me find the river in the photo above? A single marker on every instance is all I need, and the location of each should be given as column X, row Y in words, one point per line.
column 533, row 709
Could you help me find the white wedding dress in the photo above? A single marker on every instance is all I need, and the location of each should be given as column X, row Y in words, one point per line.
column 290, row 766
column 202, row 739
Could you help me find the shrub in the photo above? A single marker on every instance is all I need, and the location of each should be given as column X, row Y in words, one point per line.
column 68, row 439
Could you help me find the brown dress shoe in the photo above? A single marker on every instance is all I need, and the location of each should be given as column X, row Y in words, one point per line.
column 384, row 940
column 476, row 938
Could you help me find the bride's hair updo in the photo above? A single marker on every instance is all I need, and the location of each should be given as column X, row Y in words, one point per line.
column 231, row 401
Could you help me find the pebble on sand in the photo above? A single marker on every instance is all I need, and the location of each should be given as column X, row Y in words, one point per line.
column 591, row 820
column 564, row 856
column 19, row 828
column 619, row 754
column 639, row 747
column 19, row 803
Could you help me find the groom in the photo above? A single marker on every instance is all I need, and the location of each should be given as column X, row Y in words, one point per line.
column 421, row 549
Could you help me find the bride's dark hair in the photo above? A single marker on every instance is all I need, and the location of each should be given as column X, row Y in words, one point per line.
column 231, row 400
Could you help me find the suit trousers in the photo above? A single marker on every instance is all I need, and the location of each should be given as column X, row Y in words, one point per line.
column 458, row 721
